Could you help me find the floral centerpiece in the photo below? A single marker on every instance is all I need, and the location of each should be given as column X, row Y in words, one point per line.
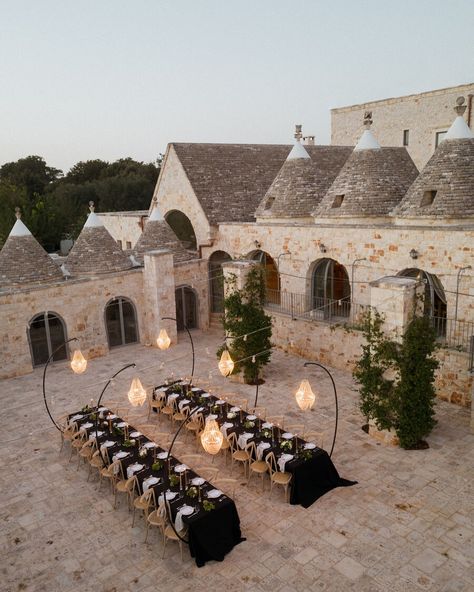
column 231, row 415
column 174, row 480
column 249, row 424
column 129, row 443
column 157, row 465
column 192, row 491
column 266, row 433
column 208, row 506
column 286, row 445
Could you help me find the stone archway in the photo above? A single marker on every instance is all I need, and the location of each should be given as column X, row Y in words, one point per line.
column 216, row 280
column 182, row 227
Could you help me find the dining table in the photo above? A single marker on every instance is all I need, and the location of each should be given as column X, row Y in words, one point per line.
column 212, row 525
column 313, row 472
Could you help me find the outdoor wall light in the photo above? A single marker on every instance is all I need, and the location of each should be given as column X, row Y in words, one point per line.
column 322, row 248
column 414, row 254
column 257, row 244
column 78, row 362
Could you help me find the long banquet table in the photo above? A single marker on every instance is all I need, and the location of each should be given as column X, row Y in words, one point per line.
column 211, row 534
column 314, row 473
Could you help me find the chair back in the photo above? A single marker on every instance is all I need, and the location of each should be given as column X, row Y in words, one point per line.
column 315, row 437
column 227, row 485
column 251, row 448
column 258, row 411
column 209, row 473
column 277, row 420
column 232, row 438
column 271, row 463
column 295, row 428
column 148, row 497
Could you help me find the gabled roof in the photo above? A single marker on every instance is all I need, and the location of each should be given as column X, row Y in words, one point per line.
column 302, row 182
column 372, row 181
column 24, row 261
column 159, row 235
column 445, row 186
column 230, row 180
column 95, row 251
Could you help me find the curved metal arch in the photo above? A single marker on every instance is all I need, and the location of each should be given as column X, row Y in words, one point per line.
column 48, row 336
column 134, row 308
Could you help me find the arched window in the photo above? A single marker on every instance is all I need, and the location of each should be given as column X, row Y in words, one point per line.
column 186, row 308
column 330, row 289
column 121, row 322
column 216, row 280
column 435, row 298
column 272, row 277
column 182, row 227
column 46, row 332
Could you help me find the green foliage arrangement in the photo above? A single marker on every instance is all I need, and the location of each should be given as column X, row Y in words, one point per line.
column 244, row 314
column 208, row 506
column 174, row 480
column 157, row 465
column 397, row 380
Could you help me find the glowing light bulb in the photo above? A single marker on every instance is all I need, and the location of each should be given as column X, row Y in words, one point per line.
column 136, row 394
column 212, row 437
column 305, row 396
column 226, row 364
column 78, row 362
column 163, row 341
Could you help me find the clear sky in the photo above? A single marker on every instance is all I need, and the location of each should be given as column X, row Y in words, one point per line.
column 107, row 79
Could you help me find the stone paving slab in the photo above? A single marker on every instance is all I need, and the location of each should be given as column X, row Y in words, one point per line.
column 406, row 526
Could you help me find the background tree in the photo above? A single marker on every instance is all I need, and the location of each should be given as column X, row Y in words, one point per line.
column 244, row 314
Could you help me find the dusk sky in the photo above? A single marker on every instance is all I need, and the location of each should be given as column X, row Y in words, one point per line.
column 109, row 79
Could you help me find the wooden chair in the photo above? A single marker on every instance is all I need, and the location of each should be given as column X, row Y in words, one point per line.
column 192, row 460
column 315, row 437
column 77, row 442
column 112, row 473
column 168, row 532
column 208, row 473
column 241, row 456
column 67, row 430
column 96, row 462
column 126, row 486
column 295, row 428
column 154, row 518
column 259, row 467
column 195, row 425
column 86, row 452
column 227, row 485
column 276, row 476
column 277, row 420
column 179, row 416
column 144, row 503
column 154, row 404
column 168, row 410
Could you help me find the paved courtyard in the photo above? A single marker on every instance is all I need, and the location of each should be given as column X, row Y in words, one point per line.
column 406, row 526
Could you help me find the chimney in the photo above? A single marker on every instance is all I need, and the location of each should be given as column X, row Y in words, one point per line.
column 308, row 140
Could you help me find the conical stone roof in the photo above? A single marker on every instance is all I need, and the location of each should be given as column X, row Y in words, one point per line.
column 24, row 261
column 302, row 181
column 445, row 186
column 95, row 251
column 159, row 235
column 371, row 183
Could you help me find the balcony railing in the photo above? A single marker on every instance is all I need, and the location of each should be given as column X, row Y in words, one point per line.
column 456, row 334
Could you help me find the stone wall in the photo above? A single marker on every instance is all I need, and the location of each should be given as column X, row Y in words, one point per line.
column 81, row 305
column 423, row 115
column 195, row 275
column 125, row 226
column 454, row 382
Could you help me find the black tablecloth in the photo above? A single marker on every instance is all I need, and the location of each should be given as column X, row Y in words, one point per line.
column 313, row 478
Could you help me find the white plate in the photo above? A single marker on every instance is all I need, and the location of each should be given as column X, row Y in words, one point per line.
column 309, row 446
column 113, row 416
column 183, row 382
column 180, row 468
column 108, row 444
column 151, row 481
column 235, row 409
column 122, row 424
column 121, row 454
column 76, row 417
column 149, row 445
column 251, row 417
column 267, row 425
column 287, row 435
column 102, row 409
column 95, row 434
column 187, row 510
column 135, row 434
column 87, row 425
column 220, row 402
column 162, row 455
column 195, row 388
column 198, row 481
column 136, row 467
column 214, row 493
column 205, row 395
column 212, row 416
column 173, row 396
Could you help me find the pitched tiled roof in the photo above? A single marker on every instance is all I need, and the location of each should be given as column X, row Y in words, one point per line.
column 24, row 261
column 371, row 183
column 95, row 251
column 158, row 235
column 301, row 183
column 230, row 180
column 445, row 186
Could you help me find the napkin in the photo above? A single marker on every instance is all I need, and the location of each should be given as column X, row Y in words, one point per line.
column 133, row 469
column 162, row 455
column 183, row 403
column 170, row 495
column 106, row 444
column 260, row 449
column 183, row 511
column 242, row 441
column 181, row 468
column 171, row 398
column 220, row 402
column 284, row 458
column 147, row 483
column 225, row 426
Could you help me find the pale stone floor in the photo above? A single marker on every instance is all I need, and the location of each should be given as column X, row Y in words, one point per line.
column 406, row 526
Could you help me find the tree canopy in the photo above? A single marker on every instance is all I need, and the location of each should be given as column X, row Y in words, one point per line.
column 54, row 205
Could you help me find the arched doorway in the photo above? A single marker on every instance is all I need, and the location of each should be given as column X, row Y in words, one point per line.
column 330, row 289
column 182, row 227
column 435, row 304
column 121, row 322
column 272, row 277
column 216, row 280
column 186, row 308
column 46, row 332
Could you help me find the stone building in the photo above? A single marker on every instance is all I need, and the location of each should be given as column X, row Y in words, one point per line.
column 417, row 121
column 338, row 229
